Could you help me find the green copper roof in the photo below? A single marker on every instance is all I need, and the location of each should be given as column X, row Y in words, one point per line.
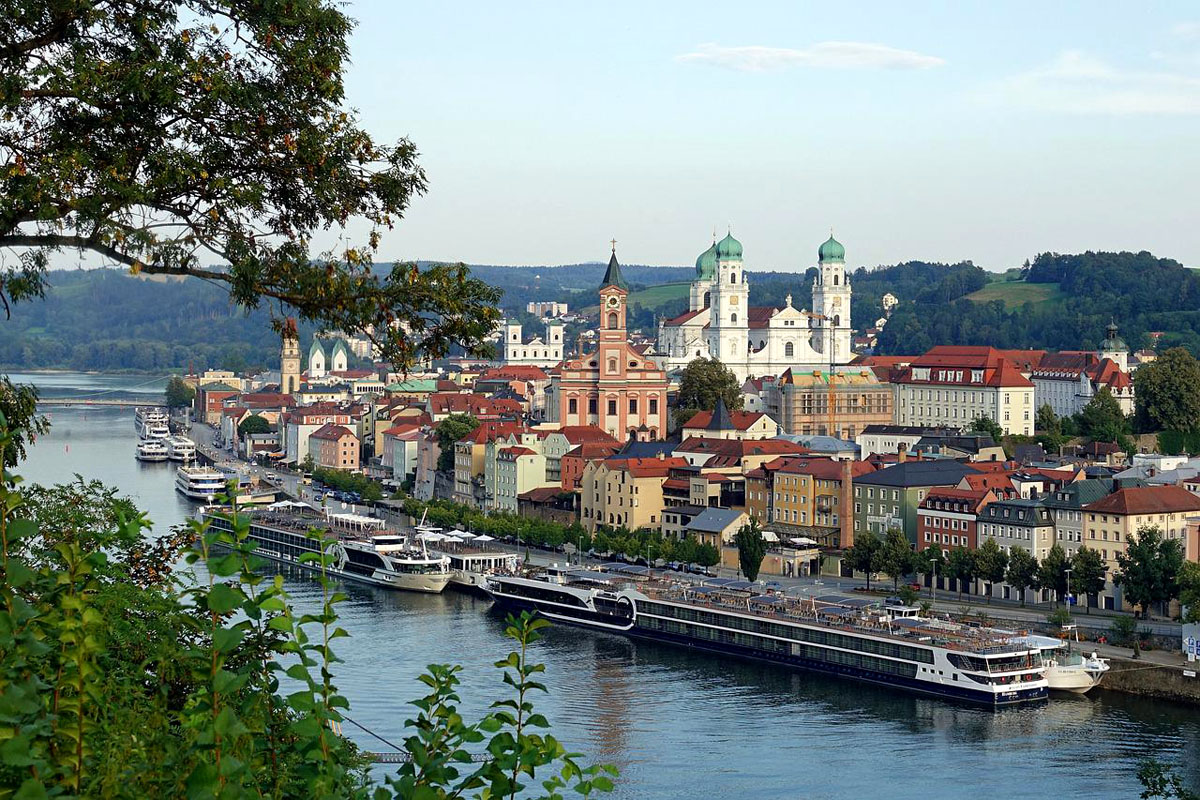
column 613, row 276
column 1113, row 342
column 729, row 247
column 706, row 264
column 832, row 250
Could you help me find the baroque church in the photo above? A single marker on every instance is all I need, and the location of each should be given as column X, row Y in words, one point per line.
column 754, row 341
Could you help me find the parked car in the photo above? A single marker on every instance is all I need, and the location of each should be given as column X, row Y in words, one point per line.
column 271, row 477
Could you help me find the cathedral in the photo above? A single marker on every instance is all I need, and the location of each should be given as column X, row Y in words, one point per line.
column 754, row 341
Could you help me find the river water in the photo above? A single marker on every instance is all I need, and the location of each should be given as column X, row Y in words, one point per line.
column 677, row 724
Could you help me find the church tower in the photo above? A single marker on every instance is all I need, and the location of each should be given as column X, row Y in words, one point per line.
column 729, row 331
column 1114, row 347
column 289, row 358
column 831, row 299
column 706, row 271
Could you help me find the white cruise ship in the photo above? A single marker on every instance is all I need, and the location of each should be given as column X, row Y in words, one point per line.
column 152, row 422
column 362, row 550
column 200, row 483
column 181, row 448
column 151, row 450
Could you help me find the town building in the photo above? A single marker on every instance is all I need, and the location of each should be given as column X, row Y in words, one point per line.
column 891, row 439
column 289, row 358
column 537, row 351
column 1066, row 504
column 324, row 359
column 519, row 470
column 889, row 498
column 800, row 401
column 546, row 308
column 947, row 518
column 716, row 526
column 806, row 497
column 625, row 492
column 298, row 424
column 209, row 402
column 1111, row 522
column 760, row 340
column 721, row 423
column 954, row 385
column 614, row 387
column 334, row 447
column 1068, row 381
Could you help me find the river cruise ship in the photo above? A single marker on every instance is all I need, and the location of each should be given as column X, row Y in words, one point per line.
column 181, row 448
column 473, row 557
column 362, row 549
column 202, row 484
column 151, row 450
column 152, row 422
column 856, row 638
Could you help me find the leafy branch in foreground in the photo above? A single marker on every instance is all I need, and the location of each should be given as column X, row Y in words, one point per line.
column 1160, row 782
column 170, row 135
column 121, row 678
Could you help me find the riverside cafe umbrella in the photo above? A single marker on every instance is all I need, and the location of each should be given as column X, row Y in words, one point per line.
column 485, row 538
column 431, row 536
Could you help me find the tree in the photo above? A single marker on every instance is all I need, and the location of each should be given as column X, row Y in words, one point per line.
column 308, row 464
column 985, row 424
column 896, row 556
column 1049, row 429
column 177, row 135
column 707, row 555
column 1088, row 574
column 1102, row 419
column 865, row 556
column 255, row 423
column 178, row 393
column 1167, row 392
column 1189, row 591
column 1148, row 570
column 751, row 547
column 960, row 565
column 1052, row 572
column 930, row 562
column 990, row 564
column 18, row 405
column 451, row 429
column 1161, row 782
column 701, row 383
column 1022, row 571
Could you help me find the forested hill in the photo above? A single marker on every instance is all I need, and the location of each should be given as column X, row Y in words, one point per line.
column 1064, row 303
column 107, row 319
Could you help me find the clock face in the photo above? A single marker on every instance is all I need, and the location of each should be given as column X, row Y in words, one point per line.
column 614, row 301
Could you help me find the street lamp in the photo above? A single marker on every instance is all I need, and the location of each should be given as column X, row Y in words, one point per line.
column 1068, row 571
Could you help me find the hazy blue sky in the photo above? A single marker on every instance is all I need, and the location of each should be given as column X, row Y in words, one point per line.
column 935, row 131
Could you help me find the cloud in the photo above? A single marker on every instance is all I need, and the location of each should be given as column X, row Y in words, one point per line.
column 1188, row 31
column 1077, row 83
column 823, row 55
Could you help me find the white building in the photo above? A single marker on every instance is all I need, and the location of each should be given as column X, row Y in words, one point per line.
column 538, row 351
column 1068, row 381
column 954, row 385
column 759, row 340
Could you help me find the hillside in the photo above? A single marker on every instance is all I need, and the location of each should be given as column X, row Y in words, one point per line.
column 1015, row 294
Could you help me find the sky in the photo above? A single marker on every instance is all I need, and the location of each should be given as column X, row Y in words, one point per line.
column 927, row 131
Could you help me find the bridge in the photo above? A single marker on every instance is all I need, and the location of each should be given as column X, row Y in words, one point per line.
column 153, row 400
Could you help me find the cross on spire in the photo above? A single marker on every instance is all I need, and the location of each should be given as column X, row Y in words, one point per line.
column 614, row 246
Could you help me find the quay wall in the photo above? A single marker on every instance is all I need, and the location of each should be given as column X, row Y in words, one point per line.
column 1150, row 680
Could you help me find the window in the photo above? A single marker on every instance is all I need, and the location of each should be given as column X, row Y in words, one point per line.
column 633, row 405
column 653, row 405
column 733, row 318
column 572, row 406
column 612, row 407
column 592, row 405
column 612, row 321
column 789, row 350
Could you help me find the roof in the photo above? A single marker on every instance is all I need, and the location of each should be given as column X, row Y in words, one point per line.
column 732, row 420
column 267, row 400
column 636, row 449
column 1147, row 500
column 579, row 434
column 233, row 411
column 592, row 450
column 612, row 275
column 1079, row 493
column 514, row 372
column 542, row 494
column 907, row 430
column 740, row 447
column 1038, row 514
column 973, row 497
column 821, row 468
column 491, row 430
column 515, row 452
column 715, row 520
column 415, row 385
column 943, row 472
column 331, row 432
column 217, row 387
column 645, row 467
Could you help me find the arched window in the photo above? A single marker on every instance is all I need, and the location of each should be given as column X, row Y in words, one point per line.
column 835, row 279
column 733, row 277
column 837, row 320
column 789, row 350
column 612, row 321
column 733, row 318
column 707, row 299
column 612, row 365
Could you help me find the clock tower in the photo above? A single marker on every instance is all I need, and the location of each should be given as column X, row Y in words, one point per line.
column 613, row 293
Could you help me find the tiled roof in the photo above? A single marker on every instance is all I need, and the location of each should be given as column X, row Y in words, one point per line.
column 943, row 472
column 542, row 494
column 739, row 420
column 714, row 520
column 331, row 432
column 578, row 434
column 646, row 467
column 1147, row 500
column 821, row 468
column 515, row 372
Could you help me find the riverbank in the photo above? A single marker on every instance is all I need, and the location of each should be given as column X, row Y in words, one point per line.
column 1158, row 675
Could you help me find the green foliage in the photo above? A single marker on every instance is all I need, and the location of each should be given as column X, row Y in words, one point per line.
column 1049, row 428
column 896, row 557
column 308, row 464
column 119, row 679
column 990, row 564
column 178, row 393
column 751, row 547
column 1189, row 590
column 1167, row 392
column 1148, row 570
column 1052, row 572
column 908, row 595
column 701, row 383
column 449, row 431
column 1102, row 419
column 930, row 562
column 176, row 133
column 960, row 565
column 985, row 424
column 1058, row 617
column 18, row 404
column 254, row 423
column 1160, row 782
column 1088, row 574
column 345, row 481
column 1022, row 571
column 1173, row 443
column 1123, row 630
column 865, row 555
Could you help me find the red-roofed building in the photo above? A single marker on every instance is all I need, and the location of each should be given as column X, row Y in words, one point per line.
column 946, row 518
column 954, row 385
column 725, row 424
column 1111, row 522
column 574, row 462
column 1067, row 381
column 700, row 451
column 626, row 492
column 334, row 447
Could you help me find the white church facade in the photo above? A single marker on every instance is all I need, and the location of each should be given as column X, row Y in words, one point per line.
column 755, row 341
column 537, row 351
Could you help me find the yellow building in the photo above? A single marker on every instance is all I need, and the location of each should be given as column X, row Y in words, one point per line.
column 799, row 401
column 625, row 492
column 1110, row 523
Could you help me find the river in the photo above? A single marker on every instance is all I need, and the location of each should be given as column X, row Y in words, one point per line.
column 677, row 724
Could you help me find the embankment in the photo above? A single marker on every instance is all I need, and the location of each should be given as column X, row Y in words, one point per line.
column 1152, row 680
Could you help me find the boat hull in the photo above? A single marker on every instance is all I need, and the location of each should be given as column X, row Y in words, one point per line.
column 1075, row 681
column 433, row 583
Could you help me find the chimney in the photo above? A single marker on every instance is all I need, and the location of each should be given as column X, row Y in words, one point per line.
column 902, row 452
column 662, row 456
column 846, row 501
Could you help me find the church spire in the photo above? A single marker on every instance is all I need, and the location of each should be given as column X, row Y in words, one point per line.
column 613, row 276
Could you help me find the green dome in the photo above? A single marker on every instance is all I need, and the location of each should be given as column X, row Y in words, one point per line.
column 832, row 250
column 1113, row 342
column 706, row 264
column 729, row 247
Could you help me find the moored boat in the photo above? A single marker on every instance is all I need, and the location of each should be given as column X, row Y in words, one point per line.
column 472, row 557
column 181, row 448
column 151, row 450
column 1066, row 669
column 202, row 484
column 849, row 637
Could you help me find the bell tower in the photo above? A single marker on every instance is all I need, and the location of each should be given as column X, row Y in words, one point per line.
column 289, row 358
column 831, row 299
column 729, row 329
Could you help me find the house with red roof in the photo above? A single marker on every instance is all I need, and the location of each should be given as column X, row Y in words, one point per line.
column 954, row 385
column 334, row 447
column 1068, row 381
column 947, row 518
column 721, row 423
column 626, row 492
column 1110, row 523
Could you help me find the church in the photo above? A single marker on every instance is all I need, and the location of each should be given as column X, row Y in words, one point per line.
column 755, row 341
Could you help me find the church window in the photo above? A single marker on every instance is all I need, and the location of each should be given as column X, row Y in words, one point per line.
column 612, row 365
column 707, row 302
column 653, row 405
column 733, row 277
column 572, row 406
column 733, row 318
column 591, row 405
column 789, row 350
column 612, row 321
column 633, row 405
column 612, row 407
column 835, row 279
